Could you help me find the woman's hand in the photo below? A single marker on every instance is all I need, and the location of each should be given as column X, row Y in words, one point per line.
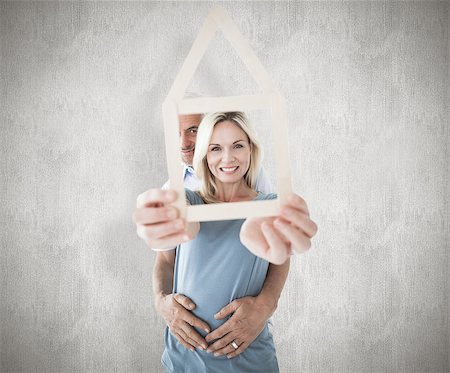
column 158, row 223
column 276, row 238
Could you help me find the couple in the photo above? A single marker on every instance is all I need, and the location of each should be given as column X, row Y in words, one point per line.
column 222, row 266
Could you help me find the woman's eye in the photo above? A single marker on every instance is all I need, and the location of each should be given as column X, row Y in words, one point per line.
column 215, row 148
column 238, row 146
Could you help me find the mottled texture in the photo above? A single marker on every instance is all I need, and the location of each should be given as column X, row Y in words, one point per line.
column 81, row 135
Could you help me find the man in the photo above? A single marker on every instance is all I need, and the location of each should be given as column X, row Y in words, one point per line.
column 248, row 315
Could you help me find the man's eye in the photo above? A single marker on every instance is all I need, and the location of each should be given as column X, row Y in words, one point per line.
column 193, row 131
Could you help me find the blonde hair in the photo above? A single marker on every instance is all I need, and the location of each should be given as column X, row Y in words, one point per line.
column 208, row 190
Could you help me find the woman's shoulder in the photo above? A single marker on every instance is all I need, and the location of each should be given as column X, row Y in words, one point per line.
column 263, row 196
column 193, row 197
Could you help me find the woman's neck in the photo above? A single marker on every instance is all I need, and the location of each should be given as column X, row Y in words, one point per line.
column 234, row 192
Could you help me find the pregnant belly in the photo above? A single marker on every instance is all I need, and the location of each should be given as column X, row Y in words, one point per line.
column 208, row 303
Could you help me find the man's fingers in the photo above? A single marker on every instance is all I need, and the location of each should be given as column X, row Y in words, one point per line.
column 300, row 242
column 198, row 323
column 184, row 301
column 226, row 327
column 225, row 311
column 240, row 350
column 299, row 219
column 219, row 332
column 152, row 196
column 182, row 341
column 278, row 251
column 152, row 215
column 193, row 337
column 184, row 335
column 188, row 316
column 180, row 323
column 229, row 348
column 220, row 344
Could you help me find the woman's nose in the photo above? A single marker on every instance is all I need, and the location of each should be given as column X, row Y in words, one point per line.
column 227, row 155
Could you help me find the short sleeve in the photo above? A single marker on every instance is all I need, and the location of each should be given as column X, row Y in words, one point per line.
column 193, row 197
column 264, row 196
column 262, row 182
column 271, row 196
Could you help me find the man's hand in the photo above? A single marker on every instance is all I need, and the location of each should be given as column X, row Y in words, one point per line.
column 176, row 310
column 249, row 317
column 276, row 238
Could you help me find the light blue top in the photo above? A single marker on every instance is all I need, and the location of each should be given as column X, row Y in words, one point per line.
column 213, row 270
column 192, row 182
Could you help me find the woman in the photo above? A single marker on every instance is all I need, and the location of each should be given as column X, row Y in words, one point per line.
column 212, row 266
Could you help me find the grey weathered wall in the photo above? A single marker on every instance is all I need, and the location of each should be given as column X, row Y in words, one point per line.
column 81, row 135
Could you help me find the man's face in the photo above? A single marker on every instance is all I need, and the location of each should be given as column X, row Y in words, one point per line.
column 188, row 135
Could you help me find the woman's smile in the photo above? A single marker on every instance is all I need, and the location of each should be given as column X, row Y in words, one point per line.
column 229, row 170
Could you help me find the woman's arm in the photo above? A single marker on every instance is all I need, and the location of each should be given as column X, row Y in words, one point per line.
column 276, row 238
column 158, row 223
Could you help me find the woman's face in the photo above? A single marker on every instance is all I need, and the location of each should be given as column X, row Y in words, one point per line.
column 229, row 152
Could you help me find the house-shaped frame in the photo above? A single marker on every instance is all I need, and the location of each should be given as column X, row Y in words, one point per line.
column 174, row 105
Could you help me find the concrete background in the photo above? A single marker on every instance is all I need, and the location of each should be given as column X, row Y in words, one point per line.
column 81, row 135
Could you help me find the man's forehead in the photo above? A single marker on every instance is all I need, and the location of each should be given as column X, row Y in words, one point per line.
column 189, row 119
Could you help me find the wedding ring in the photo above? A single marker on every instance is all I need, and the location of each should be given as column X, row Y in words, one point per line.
column 234, row 344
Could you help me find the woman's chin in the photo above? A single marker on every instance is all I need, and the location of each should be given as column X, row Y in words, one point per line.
column 229, row 179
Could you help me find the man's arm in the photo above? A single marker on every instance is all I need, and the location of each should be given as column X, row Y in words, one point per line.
column 176, row 308
column 159, row 226
column 163, row 274
column 249, row 315
column 274, row 284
